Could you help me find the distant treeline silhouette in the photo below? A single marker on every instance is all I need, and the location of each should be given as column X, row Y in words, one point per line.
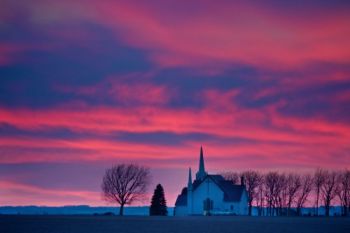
column 277, row 193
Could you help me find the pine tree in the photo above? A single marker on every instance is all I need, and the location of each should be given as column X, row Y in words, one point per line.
column 158, row 203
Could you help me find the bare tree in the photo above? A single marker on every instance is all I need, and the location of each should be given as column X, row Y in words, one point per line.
column 231, row 176
column 271, row 182
column 293, row 184
column 343, row 190
column 277, row 193
column 319, row 178
column 304, row 191
column 252, row 180
column 125, row 183
column 328, row 189
column 260, row 199
column 280, row 194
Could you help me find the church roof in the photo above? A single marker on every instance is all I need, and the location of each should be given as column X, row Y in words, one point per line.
column 181, row 199
column 232, row 192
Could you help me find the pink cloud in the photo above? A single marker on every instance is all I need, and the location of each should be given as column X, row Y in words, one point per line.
column 153, row 119
column 9, row 52
column 143, row 93
column 270, row 137
column 244, row 33
column 210, row 38
column 33, row 195
column 128, row 89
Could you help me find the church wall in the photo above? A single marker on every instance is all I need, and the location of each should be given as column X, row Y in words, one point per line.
column 243, row 205
column 207, row 189
column 180, row 211
column 237, row 208
column 232, row 208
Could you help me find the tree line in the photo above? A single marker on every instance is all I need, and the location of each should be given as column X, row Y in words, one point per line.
column 276, row 193
column 272, row 193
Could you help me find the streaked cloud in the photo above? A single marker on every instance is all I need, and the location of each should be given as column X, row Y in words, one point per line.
column 259, row 85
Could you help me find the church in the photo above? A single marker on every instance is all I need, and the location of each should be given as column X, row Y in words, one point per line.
column 211, row 195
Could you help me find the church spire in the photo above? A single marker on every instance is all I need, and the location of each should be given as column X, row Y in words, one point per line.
column 201, row 171
column 189, row 185
column 201, row 161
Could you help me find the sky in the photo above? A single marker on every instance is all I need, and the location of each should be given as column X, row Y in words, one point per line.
column 85, row 84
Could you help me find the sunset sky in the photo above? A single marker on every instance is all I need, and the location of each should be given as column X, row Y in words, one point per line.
column 86, row 84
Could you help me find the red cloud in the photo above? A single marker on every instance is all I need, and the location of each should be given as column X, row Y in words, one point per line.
column 268, row 135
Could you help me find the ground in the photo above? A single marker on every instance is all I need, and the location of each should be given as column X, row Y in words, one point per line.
column 128, row 224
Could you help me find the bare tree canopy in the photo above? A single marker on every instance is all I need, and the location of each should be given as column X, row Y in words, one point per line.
column 328, row 189
column 271, row 190
column 319, row 178
column 125, row 183
column 231, row 176
column 293, row 185
column 276, row 194
column 304, row 192
column 343, row 191
column 260, row 198
column 252, row 180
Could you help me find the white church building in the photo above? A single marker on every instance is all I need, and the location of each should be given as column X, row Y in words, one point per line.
column 211, row 195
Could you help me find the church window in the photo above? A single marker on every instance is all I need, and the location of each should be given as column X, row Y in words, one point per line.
column 208, row 204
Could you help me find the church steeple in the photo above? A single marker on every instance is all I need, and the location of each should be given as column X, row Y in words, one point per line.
column 189, row 184
column 201, row 161
column 189, row 193
column 201, row 171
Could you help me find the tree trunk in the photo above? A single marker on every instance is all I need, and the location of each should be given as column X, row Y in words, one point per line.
column 250, row 209
column 345, row 211
column 317, row 197
column 298, row 211
column 289, row 206
column 121, row 210
column 327, row 210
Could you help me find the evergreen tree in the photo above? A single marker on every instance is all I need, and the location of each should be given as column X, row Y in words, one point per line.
column 158, row 203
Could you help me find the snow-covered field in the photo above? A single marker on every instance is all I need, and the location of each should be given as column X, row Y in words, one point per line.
column 129, row 224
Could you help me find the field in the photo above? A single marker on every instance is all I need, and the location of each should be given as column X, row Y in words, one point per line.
column 129, row 224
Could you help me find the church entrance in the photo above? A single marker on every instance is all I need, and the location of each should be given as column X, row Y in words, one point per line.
column 208, row 205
